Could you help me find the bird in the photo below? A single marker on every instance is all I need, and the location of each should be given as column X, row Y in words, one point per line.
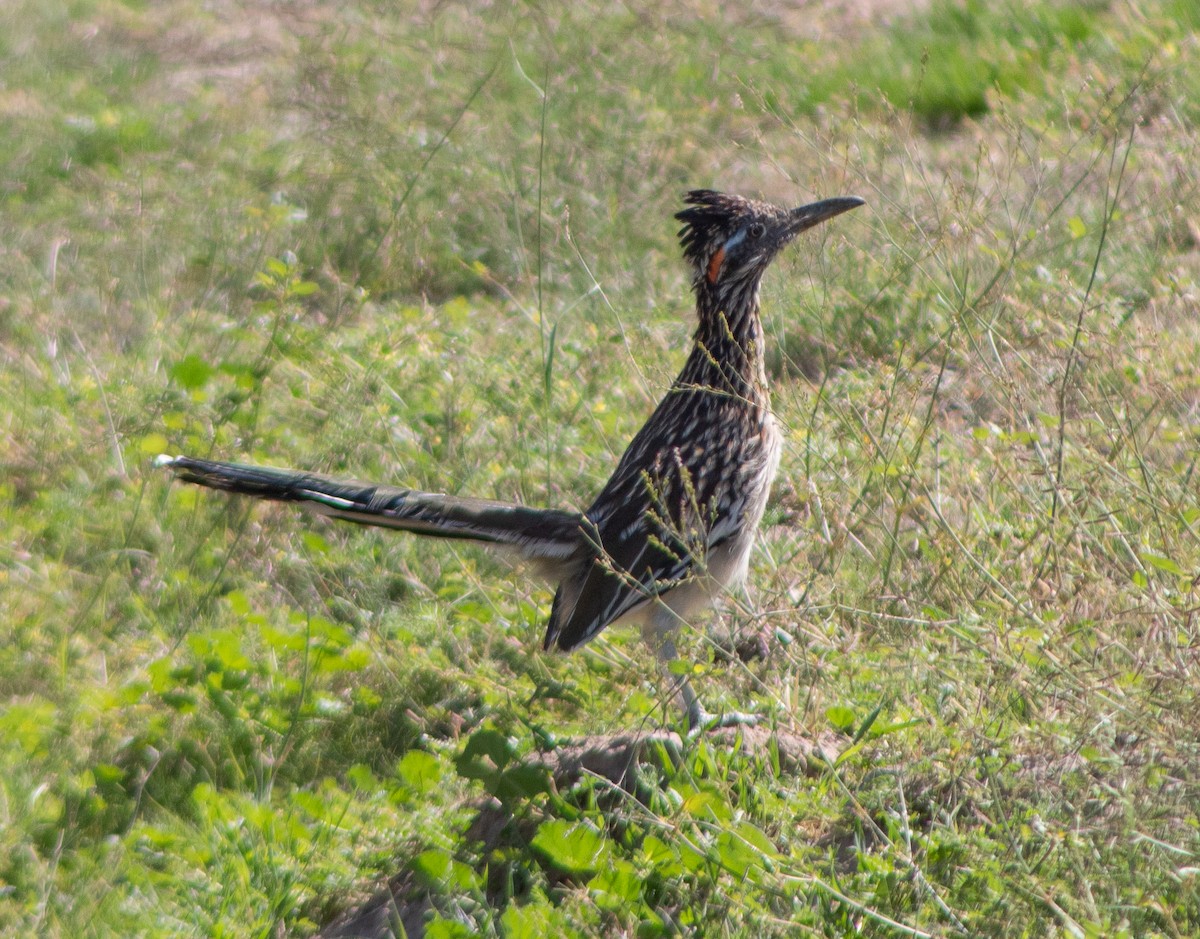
column 673, row 528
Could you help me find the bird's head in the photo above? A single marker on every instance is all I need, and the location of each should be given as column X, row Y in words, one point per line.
column 729, row 241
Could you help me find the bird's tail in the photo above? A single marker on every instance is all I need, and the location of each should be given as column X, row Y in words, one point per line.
column 545, row 535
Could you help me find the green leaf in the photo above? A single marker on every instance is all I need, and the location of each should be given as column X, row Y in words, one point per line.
column 153, row 444
column 841, row 717
column 521, row 782
column 437, row 869
column 191, row 372
column 448, row 929
column 868, row 722
column 884, row 729
column 571, row 847
column 354, row 659
column 660, row 854
column 362, row 777
column 282, row 640
column 238, row 603
column 486, row 753
column 744, row 850
column 30, row 724
column 1076, row 226
column 421, row 771
column 1161, row 563
column 314, row 542
column 617, row 887
column 708, row 804
column 682, row 667
column 184, row 702
column 849, row 753
column 531, row 921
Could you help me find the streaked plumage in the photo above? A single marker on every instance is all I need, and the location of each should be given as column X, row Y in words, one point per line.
column 675, row 524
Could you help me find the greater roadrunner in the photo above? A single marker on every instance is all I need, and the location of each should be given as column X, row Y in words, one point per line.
column 674, row 526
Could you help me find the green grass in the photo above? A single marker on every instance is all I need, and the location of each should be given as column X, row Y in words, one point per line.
column 434, row 246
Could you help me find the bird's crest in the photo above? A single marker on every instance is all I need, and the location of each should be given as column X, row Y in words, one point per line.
column 711, row 219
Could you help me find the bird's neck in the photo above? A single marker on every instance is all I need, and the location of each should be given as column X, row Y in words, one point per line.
column 727, row 352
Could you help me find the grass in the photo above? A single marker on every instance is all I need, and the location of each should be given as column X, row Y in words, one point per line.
column 435, row 246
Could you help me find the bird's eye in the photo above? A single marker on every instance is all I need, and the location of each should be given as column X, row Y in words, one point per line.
column 757, row 230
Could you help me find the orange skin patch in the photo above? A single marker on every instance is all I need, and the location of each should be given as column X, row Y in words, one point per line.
column 714, row 266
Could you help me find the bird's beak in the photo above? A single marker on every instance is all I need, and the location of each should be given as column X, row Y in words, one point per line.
column 815, row 213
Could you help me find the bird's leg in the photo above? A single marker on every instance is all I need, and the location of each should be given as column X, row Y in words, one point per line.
column 699, row 719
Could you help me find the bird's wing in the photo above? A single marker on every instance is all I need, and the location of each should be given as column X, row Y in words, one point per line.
column 623, row 575
column 648, row 531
